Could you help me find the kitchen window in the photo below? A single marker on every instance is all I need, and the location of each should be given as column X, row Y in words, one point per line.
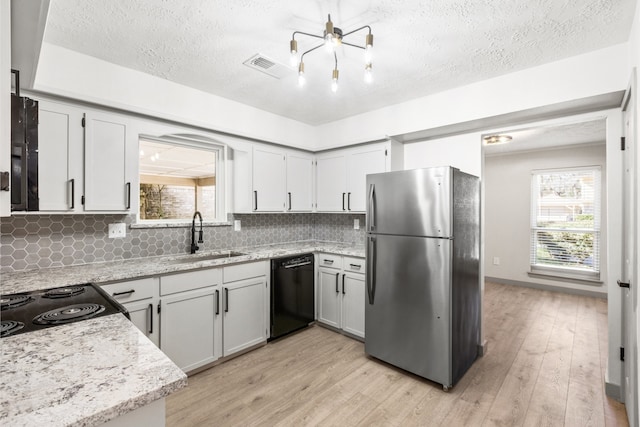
column 565, row 222
column 179, row 176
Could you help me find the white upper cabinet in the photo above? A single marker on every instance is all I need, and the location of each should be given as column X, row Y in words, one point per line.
column 269, row 178
column 359, row 165
column 341, row 177
column 299, row 182
column 60, row 150
column 331, row 182
column 107, row 186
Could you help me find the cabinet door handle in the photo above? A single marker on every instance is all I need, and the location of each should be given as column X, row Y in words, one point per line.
column 150, row 318
column 343, row 292
column 356, row 266
column 226, row 300
column 348, row 201
column 73, row 193
column 289, row 201
column 115, row 294
column 217, row 302
column 128, row 185
column 343, row 194
column 337, row 276
column 255, row 200
column 327, row 261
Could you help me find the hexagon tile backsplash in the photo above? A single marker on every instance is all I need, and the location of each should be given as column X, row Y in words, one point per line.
column 39, row 241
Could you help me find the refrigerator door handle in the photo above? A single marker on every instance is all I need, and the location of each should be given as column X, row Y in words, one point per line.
column 371, row 273
column 372, row 207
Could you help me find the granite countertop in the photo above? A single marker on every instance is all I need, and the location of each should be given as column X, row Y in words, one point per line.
column 112, row 271
column 83, row 373
column 89, row 372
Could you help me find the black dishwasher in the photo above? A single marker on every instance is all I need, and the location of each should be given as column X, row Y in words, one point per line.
column 292, row 294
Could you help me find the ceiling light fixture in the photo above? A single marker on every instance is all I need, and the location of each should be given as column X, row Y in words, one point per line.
column 496, row 139
column 332, row 38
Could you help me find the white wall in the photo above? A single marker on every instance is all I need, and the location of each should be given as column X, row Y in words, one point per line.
column 461, row 151
column 599, row 72
column 507, row 185
column 78, row 76
column 67, row 73
column 5, row 100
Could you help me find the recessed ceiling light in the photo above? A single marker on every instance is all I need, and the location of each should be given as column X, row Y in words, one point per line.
column 496, row 139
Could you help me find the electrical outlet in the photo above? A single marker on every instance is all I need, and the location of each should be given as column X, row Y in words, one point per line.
column 236, row 225
column 117, row 230
column 496, row 260
column 356, row 224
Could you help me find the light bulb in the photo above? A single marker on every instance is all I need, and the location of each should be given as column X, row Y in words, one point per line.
column 141, row 153
column 368, row 74
column 334, row 81
column 294, row 52
column 301, row 79
column 368, row 54
column 329, row 44
column 368, row 49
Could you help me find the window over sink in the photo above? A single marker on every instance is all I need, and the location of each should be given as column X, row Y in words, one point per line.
column 179, row 175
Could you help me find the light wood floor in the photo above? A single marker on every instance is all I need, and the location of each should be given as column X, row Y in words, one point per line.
column 544, row 367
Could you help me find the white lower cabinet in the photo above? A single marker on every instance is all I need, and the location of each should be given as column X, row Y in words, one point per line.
column 190, row 332
column 341, row 293
column 190, row 318
column 141, row 299
column 329, row 297
column 245, row 306
column 353, row 301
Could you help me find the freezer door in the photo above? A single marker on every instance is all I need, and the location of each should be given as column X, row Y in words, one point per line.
column 407, row 310
column 410, row 203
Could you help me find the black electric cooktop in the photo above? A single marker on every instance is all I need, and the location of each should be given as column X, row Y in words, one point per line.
column 32, row 311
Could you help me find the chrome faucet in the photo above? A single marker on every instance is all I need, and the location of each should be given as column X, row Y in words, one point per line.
column 195, row 247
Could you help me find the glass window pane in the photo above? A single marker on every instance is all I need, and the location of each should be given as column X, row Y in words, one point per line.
column 565, row 249
column 177, row 180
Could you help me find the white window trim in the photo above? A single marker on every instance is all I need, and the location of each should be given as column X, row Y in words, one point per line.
column 200, row 142
column 562, row 272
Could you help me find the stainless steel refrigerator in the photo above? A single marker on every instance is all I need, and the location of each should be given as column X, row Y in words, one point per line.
column 422, row 311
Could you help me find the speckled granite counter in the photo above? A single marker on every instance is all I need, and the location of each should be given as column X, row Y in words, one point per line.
column 89, row 372
column 84, row 373
column 105, row 272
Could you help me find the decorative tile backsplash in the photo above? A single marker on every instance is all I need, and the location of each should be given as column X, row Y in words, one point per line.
column 39, row 241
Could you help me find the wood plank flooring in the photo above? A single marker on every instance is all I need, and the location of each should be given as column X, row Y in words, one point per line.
column 544, row 367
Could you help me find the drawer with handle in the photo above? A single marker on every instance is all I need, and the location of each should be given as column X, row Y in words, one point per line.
column 133, row 290
column 330, row 261
column 356, row 265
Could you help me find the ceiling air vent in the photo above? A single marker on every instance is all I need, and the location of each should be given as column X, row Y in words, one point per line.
column 268, row 66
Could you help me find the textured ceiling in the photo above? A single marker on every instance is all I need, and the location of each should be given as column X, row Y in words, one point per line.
column 545, row 137
column 420, row 47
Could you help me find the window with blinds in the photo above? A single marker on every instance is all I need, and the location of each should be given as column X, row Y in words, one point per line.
column 565, row 222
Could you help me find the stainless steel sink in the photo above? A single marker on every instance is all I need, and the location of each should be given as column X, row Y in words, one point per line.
column 196, row 258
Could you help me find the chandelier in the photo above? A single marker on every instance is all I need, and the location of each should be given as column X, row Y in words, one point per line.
column 333, row 37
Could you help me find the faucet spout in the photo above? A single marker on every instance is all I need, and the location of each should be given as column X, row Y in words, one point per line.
column 194, row 246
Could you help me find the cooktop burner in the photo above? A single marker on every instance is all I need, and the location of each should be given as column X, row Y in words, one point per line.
column 8, row 327
column 68, row 314
column 12, row 301
column 32, row 311
column 63, row 292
